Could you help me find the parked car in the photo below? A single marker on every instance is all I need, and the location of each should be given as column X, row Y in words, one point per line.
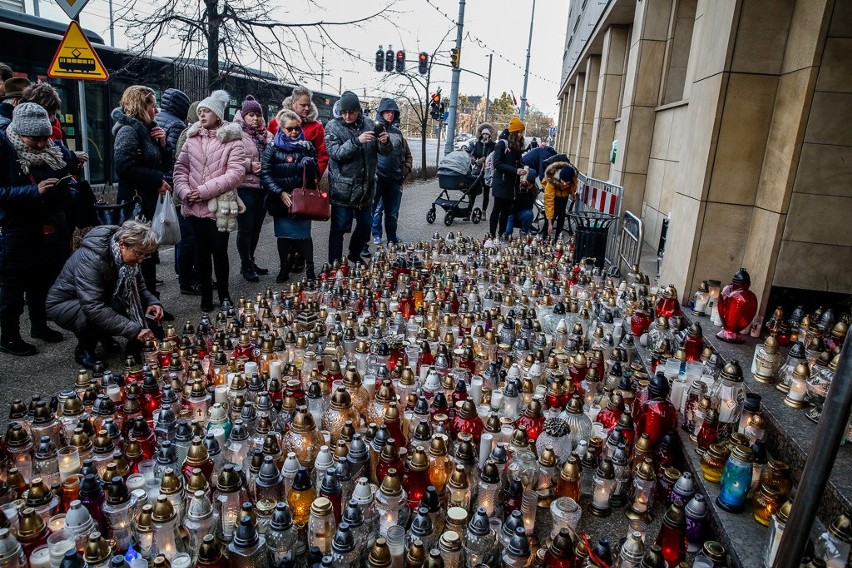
column 463, row 141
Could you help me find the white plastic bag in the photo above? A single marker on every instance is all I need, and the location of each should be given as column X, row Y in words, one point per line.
column 165, row 222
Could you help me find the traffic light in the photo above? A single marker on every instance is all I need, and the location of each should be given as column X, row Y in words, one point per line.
column 389, row 60
column 455, row 54
column 380, row 60
column 400, row 62
column 423, row 63
column 435, row 106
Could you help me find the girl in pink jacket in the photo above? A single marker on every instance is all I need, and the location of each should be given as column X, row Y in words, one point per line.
column 211, row 164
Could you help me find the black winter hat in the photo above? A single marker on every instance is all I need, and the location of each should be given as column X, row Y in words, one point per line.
column 349, row 101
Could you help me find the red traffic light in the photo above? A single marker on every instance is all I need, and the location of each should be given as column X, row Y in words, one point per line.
column 423, row 56
column 423, row 63
column 400, row 55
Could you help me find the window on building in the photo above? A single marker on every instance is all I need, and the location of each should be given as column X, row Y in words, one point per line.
column 677, row 50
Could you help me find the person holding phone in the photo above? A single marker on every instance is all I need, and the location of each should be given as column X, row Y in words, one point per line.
column 353, row 150
column 392, row 171
column 36, row 191
column 101, row 294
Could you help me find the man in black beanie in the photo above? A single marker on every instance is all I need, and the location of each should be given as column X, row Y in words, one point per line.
column 353, row 147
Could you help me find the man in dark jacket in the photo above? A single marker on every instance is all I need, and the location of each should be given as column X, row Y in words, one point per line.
column 13, row 91
column 392, row 171
column 101, row 293
column 353, row 150
column 174, row 111
column 535, row 159
column 174, row 107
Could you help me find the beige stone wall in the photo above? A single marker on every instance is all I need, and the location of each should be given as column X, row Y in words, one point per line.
column 816, row 245
column 754, row 162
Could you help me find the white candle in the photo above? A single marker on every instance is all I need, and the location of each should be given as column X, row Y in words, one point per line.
column 640, row 504
column 220, row 394
column 726, row 411
column 40, row 558
column 251, row 369
column 600, row 499
column 275, row 369
column 486, row 442
column 798, row 390
column 475, row 390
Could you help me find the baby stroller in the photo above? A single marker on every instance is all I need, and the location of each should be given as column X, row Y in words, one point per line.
column 454, row 175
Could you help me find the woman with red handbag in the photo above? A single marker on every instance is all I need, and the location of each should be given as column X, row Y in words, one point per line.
column 289, row 163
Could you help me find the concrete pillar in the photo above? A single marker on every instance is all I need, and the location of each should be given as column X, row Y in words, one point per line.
column 569, row 117
column 606, row 108
column 562, row 125
column 587, row 111
column 576, row 110
column 750, row 80
column 642, row 78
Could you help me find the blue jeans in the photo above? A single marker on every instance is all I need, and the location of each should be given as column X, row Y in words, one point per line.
column 388, row 198
column 185, row 254
column 341, row 223
column 523, row 219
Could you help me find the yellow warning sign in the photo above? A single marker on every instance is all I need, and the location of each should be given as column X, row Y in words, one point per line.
column 76, row 58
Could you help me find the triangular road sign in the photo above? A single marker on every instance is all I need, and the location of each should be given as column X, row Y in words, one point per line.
column 76, row 58
column 72, row 7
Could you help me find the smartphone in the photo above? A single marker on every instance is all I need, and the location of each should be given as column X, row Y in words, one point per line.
column 378, row 129
column 63, row 181
column 150, row 317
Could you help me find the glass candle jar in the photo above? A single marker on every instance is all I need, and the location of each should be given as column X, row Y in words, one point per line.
column 736, row 480
column 766, row 502
column 776, row 531
column 713, row 462
column 321, row 526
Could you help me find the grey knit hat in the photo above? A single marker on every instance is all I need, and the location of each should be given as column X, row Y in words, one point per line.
column 30, row 119
column 217, row 102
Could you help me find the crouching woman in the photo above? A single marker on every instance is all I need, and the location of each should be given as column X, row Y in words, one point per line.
column 101, row 294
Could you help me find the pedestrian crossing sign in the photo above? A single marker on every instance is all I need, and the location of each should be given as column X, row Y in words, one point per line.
column 76, row 58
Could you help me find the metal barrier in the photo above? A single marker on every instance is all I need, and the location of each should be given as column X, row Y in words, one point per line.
column 603, row 197
column 630, row 244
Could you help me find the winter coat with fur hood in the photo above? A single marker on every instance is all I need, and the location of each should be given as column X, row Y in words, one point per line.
column 553, row 188
column 251, row 179
column 313, row 130
column 211, row 161
column 481, row 149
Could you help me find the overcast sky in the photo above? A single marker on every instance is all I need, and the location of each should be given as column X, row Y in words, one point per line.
column 499, row 25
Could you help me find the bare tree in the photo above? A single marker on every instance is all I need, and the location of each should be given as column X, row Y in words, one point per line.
column 413, row 89
column 240, row 33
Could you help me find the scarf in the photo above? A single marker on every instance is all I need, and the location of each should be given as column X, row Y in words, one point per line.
column 258, row 135
column 127, row 287
column 288, row 144
column 51, row 156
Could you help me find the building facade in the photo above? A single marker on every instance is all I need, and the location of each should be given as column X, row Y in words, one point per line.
column 731, row 120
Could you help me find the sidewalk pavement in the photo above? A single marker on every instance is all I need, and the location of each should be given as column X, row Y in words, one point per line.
column 53, row 368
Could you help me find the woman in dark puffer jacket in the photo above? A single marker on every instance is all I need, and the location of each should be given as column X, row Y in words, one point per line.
column 142, row 158
column 281, row 171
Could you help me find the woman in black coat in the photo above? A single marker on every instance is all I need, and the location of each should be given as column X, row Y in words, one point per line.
column 286, row 162
column 143, row 159
column 36, row 191
column 508, row 170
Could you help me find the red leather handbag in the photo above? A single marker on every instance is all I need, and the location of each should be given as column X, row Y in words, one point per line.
column 310, row 203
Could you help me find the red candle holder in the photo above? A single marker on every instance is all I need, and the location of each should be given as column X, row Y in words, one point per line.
column 737, row 307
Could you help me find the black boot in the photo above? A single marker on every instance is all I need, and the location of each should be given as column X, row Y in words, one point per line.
column 260, row 271
column 10, row 339
column 84, row 353
column 306, row 247
column 45, row 333
column 284, row 260
column 249, row 273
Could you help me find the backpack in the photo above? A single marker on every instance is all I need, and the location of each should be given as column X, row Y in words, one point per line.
column 489, row 166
